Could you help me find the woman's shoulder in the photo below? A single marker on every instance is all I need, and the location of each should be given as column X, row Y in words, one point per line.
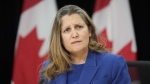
column 110, row 55
column 110, row 58
column 45, row 63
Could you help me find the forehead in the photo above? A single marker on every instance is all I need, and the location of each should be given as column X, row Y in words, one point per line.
column 73, row 18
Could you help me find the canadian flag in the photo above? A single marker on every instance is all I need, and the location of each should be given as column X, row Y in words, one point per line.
column 32, row 40
column 112, row 19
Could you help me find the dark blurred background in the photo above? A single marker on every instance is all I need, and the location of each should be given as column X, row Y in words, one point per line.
column 10, row 14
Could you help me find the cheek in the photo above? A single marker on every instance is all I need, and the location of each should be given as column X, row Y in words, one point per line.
column 86, row 38
column 86, row 35
column 65, row 41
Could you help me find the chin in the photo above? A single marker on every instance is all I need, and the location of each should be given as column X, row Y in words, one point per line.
column 78, row 50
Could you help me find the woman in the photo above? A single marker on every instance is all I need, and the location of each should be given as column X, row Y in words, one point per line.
column 76, row 56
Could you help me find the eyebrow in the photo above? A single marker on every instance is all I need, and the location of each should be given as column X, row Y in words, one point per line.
column 79, row 23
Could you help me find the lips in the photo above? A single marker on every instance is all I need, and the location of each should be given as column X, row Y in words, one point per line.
column 75, row 42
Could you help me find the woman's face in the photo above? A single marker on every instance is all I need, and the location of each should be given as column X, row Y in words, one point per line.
column 75, row 34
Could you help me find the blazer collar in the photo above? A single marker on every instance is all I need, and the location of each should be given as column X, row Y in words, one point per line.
column 87, row 74
column 61, row 79
column 89, row 69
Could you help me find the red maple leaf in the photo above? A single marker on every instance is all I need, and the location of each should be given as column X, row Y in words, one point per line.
column 125, row 51
column 103, row 38
column 27, row 62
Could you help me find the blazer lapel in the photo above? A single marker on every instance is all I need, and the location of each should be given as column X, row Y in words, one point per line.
column 89, row 69
column 61, row 79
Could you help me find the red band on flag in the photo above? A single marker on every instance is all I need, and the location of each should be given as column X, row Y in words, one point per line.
column 100, row 4
column 29, row 3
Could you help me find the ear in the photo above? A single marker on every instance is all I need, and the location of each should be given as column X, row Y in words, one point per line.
column 90, row 31
column 90, row 34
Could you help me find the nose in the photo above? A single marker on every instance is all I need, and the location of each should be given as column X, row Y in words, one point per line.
column 74, row 33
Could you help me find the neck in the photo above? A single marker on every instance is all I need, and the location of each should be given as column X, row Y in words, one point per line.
column 79, row 57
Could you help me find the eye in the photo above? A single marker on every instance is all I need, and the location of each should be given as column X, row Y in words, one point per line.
column 79, row 27
column 66, row 30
